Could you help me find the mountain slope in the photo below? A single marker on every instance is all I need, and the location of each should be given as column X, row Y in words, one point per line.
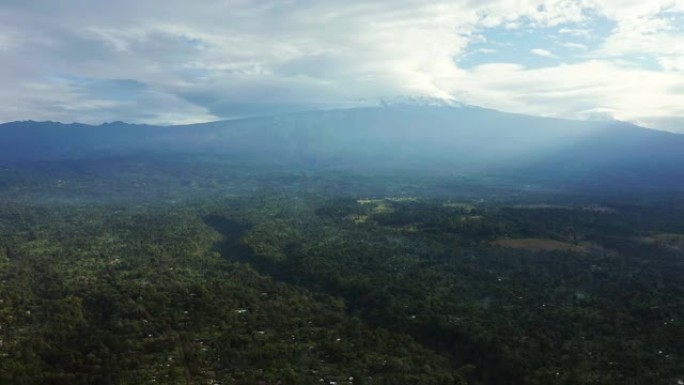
column 407, row 138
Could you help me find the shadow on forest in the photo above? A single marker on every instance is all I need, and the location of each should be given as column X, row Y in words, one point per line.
column 488, row 367
column 231, row 231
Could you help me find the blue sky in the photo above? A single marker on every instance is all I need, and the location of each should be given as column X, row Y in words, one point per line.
column 180, row 62
column 537, row 46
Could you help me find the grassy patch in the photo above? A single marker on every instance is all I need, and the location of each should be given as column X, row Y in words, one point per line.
column 539, row 244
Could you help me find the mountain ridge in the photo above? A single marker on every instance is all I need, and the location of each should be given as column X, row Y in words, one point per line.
column 399, row 103
column 407, row 137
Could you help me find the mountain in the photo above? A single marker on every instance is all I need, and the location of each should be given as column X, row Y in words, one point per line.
column 419, row 138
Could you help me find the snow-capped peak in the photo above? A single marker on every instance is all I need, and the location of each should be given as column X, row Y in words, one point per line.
column 421, row 101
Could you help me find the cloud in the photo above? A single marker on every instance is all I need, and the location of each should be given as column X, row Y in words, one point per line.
column 174, row 61
column 575, row 32
column 542, row 52
column 644, row 28
column 672, row 63
column 576, row 46
column 594, row 89
column 5, row 42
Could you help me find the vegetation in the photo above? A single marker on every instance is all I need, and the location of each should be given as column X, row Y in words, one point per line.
column 177, row 272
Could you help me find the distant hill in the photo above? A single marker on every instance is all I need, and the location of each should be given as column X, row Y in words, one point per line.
column 439, row 140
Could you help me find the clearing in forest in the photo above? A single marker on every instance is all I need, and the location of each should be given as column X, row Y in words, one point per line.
column 539, row 244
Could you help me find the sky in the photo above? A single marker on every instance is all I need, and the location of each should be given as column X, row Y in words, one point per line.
column 176, row 62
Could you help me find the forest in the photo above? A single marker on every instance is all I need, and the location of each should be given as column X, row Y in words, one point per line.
column 200, row 271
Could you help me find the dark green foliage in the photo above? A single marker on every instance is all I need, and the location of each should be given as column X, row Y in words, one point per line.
column 110, row 295
column 180, row 272
column 428, row 270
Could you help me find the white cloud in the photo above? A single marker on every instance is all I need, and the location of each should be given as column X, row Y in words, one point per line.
column 5, row 42
column 642, row 27
column 674, row 63
column 575, row 46
column 575, row 32
column 593, row 89
column 542, row 52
